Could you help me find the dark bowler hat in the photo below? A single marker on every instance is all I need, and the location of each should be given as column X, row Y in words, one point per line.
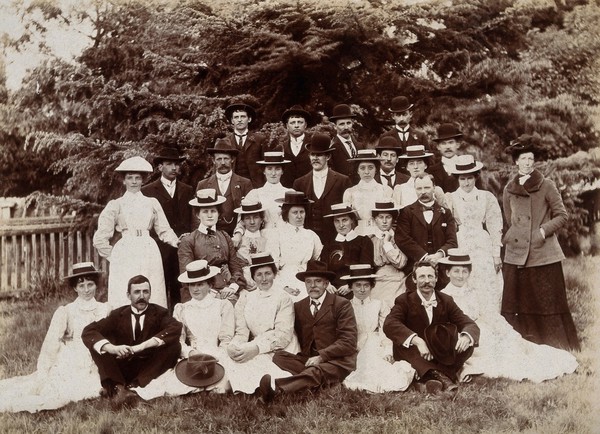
column 342, row 111
column 415, row 151
column 466, row 164
column 388, row 143
column 293, row 197
column 385, row 207
column 81, row 269
column 199, row 370
column 223, row 146
column 441, row 340
column 273, row 158
column 400, row 104
column 316, row 269
column 239, row 107
column 338, row 209
column 260, row 260
column 295, row 110
column 168, row 154
column 447, row 131
column 456, row 257
column 525, row 143
column 360, row 271
column 319, row 144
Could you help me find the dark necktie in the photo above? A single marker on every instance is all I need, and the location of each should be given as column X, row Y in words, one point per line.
column 389, row 180
column 352, row 148
column 137, row 331
column 315, row 307
column 240, row 140
column 210, row 231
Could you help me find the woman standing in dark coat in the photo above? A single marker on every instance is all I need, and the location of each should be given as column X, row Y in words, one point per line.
column 534, row 300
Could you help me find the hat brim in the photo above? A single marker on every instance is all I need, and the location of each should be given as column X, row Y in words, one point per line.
column 477, row 168
column 158, row 160
column 219, row 201
column 401, row 111
column 333, row 118
column 295, row 112
column 213, row 271
column 223, row 151
column 446, row 352
column 390, row 210
column 240, row 211
column 351, row 278
column 86, row 273
column 273, row 163
column 337, row 214
column 283, row 202
column 388, row 148
column 318, row 151
column 364, row 159
column 217, row 376
column 446, row 261
column 450, row 136
column 329, row 275
column 270, row 263
column 411, row 157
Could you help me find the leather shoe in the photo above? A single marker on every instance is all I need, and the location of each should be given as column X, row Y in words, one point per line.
column 447, row 383
column 266, row 391
column 124, row 397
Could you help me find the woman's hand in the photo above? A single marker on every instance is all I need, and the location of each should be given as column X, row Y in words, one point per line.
column 343, row 290
column 292, row 291
column 227, row 292
column 497, row 264
column 243, row 354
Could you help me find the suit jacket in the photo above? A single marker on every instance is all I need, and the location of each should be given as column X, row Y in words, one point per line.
column 415, row 137
column 408, row 316
column 117, row 329
column 299, row 166
column 411, row 233
column 332, row 332
column 238, row 189
column 448, row 183
column 177, row 209
column 401, row 178
column 339, row 159
column 245, row 162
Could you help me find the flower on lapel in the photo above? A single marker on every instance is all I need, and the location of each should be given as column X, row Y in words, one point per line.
column 237, row 186
column 444, row 225
column 442, row 210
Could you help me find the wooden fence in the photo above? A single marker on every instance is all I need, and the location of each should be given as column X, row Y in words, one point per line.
column 34, row 248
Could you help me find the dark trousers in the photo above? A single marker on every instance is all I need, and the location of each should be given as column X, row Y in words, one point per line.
column 412, row 356
column 171, row 271
column 141, row 368
column 303, row 378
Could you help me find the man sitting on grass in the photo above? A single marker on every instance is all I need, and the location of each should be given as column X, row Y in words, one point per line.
column 133, row 345
column 327, row 332
column 430, row 332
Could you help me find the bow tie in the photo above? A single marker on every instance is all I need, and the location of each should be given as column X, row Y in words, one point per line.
column 427, row 208
column 210, row 231
column 429, row 303
column 523, row 179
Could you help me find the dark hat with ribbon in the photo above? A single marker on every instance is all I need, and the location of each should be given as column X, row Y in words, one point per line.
column 199, row 370
column 293, row 197
column 223, row 146
column 273, row 158
column 389, row 207
column 342, row 111
column 400, row 104
column 441, row 340
column 366, row 155
column 260, row 260
column 525, row 143
column 198, row 271
column 447, row 131
column 456, row 257
column 415, row 151
column 168, row 154
column 360, row 271
column 207, row 197
column 81, row 269
column 249, row 207
column 388, row 143
column 339, row 209
column 295, row 110
column 319, row 144
column 240, row 106
column 465, row 164
column 316, row 268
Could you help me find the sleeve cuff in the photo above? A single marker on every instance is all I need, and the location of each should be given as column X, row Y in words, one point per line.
column 470, row 337
column 159, row 341
column 98, row 346
column 387, row 246
column 407, row 342
column 234, row 286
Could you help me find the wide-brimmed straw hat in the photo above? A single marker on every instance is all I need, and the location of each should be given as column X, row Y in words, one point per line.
column 207, row 197
column 295, row 110
column 316, row 268
column 400, row 104
column 339, row 209
column 273, row 158
column 134, row 164
column 342, row 111
column 360, row 271
column 199, row 370
column 465, row 164
column 198, row 271
column 240, row 106
column 249, row 207
column 260, row 260
column 293, row 197
column 223, row 146
column 385, row 207
column 388, row 143
column 441, row 339
column 365, row 155
column 319, row 144
column 168, row 154
column 456, row 257
column 415, row 151
column 81, row 269
column 447, row 131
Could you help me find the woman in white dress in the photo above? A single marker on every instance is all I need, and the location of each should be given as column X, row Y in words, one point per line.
column 65, row 370
column 264, row 323
column 502, row 352
column 133, row 215
column 291, row 245
column 479, row 221
column 416, row 163
column 376, row 371
column 208, row 327
column 363, row 195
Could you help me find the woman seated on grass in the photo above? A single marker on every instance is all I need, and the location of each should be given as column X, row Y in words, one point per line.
column 502, row 352
column 65, row 369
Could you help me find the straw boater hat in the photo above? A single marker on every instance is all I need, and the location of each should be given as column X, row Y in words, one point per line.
column 456, row 257
column 388, row 143
column 415, row 151
column 260, row 260
column 198, row 271
column 199, row 370
column 223, row 146
column 134, row 164
column 441, row 339
column 168, row 154
column 239, row 107
column 316, row 269
column 339, row 209
column 447, row 131
column 81, row 269
column 466, row 164
column 293, row 197
column 360, row 271
column 273, row 158
column 400, row 104
column 366, row 155
column 342, row 111
column 249, row 207
column 295, row 110
column 207, row 197
column 385, row 207
column 319, row 144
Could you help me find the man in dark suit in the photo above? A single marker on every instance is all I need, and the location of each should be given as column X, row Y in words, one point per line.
column 227, row 183
column 345, row 145
column 173, row 196
column 134, row 344
column 250, row 145
column 388, row 150
column 322, row 185
column 296, row 120
column 403, row 133
column 425, row 230
column 327, row 332
column 430, row 332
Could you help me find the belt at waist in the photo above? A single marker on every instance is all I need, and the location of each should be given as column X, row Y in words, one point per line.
column 136, row 233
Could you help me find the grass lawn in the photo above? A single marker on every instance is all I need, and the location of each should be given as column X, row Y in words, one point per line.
column 565, row 405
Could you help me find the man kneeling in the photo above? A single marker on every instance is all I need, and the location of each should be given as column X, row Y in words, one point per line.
column 133, row 344
column 430, row 332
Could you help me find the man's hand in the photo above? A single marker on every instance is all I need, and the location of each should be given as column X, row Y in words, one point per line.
column 121, row 351
column 422, row 347
column 434, row 258
column 343, row 290
column 313, row 361
column 243, row 354
column 463, row 343
column 292, row 291
column 227, row 292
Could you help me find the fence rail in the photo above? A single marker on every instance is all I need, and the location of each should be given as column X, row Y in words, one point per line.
column 31, row 248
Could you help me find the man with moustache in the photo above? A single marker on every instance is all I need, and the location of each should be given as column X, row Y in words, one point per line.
column 322, row 185
column 227, row 183
column 296, row 120
column 430, row 332
column 425, row 230
column 403, row 133
column 388, row 150
column 133, row 345
column 345, row 145
column 249, row 145
column 173, row 196
column 327, row 333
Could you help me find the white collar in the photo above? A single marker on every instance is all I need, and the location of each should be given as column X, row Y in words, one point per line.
column 450, row 161
column 321, row 174
column 86, row 305
column 403, row 130
column 205, row 302
column 348, row 237
column 344, row 140
column 356, row 302
column 138, row 312
column 224, row 177
column 132, row 196
column 471, row 195
column 244, row 133
column 382, row 173
column 168, row 183
column 321, row 299
column 298, row 140
column 423, row 298
column 427, row 204
column 203, row 229
column 380, row 234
